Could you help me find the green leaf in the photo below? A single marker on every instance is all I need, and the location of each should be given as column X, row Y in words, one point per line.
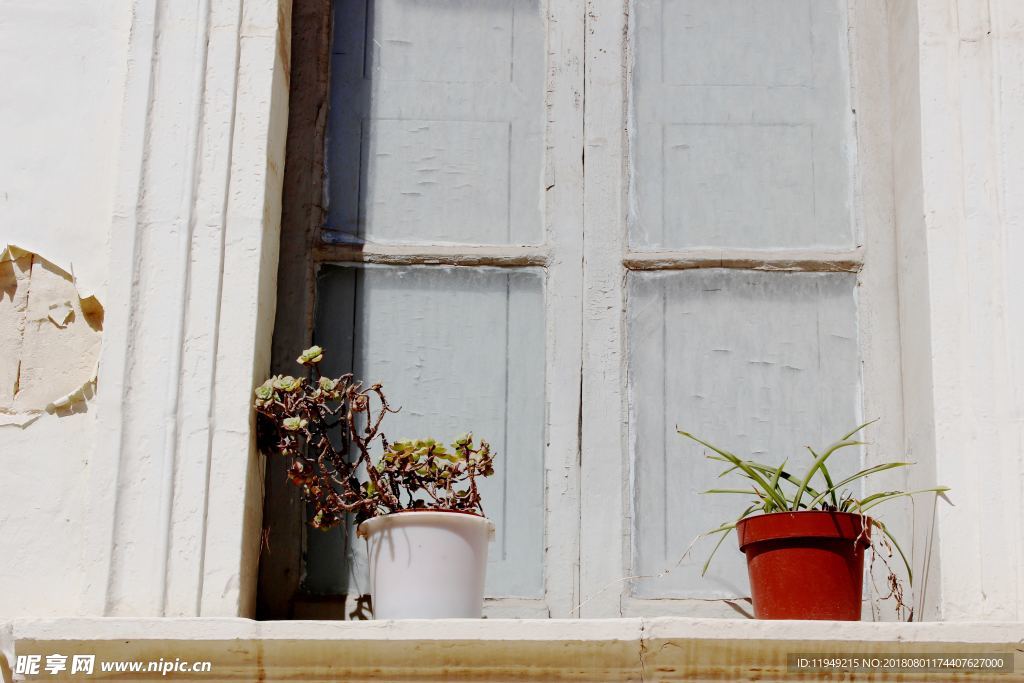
column 749, row 471
column 774, row 483
column 862, row 426
column 872, row 501
column 822, row 466
column 311, row 356
column 764, row 469
column 287, row 383
column 724, row 530
column 819, row 461
column 858, row 504
column 265, row 391
column 725, row 534
column 828, row 481
column 854, row 477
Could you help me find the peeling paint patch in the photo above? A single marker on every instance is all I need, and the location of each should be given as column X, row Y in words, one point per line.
column 50, row 336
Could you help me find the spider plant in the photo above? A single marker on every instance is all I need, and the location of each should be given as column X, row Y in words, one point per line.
column 777, row 490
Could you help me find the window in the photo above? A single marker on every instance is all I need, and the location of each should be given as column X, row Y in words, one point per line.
column 434, row 265
column 742, row 140
column 569, row 242
column 455, row 348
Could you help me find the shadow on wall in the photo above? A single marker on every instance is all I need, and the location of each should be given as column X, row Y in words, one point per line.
column 49, row 340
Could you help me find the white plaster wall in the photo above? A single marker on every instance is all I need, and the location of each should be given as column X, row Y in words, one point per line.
column 957, row 91
column 912, row 274
column 143, row 149
column 194, row 240
column 971, row 60
column 63, row 66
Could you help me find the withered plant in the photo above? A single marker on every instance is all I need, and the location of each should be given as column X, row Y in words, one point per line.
column 327, row 427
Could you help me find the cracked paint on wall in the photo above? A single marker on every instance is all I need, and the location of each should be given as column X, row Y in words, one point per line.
column 52, row 336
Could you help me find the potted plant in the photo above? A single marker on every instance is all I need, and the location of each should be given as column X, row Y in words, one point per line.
column 804, row 537
column 417, row 504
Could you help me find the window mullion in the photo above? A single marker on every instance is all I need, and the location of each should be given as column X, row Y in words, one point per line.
column 604, row 474
column 564, row 220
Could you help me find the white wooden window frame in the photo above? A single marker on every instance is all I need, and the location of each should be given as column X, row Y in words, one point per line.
column 606, row 465
column 560, row 255
column 588, row 483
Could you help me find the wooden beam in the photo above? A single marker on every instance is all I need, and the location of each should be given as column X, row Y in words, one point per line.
column 432, row 255
column 280, row 568
column 793, row 260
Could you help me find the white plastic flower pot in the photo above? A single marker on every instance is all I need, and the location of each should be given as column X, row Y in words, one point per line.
column 427, row 565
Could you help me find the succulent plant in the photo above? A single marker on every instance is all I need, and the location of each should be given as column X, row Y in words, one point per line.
column 327, row 428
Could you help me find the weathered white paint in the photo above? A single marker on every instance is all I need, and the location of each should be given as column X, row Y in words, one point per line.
column 64, row 70
column 60, row 122
column 957, row 71
column 171, row 456
column 564, row 224
column 761, row 364
column 52, row 338
column 741, row 130
column 433, row 231
column 458, row 350
column 181, row 111
column 873, row 259
column 878, row 300
column 499, row 649
column 437, row 123
column 99, row 121
column 604, row 472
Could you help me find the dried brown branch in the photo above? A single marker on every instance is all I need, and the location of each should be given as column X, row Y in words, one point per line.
column 298, row 418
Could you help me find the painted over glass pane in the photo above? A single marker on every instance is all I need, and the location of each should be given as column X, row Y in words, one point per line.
column 436, row 127
column 457, row 349
column 761, row 364
column 741, row 126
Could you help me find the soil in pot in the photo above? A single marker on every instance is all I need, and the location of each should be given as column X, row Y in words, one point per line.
column 805, row 565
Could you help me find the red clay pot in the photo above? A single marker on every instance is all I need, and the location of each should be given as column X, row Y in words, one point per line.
column 805, row 565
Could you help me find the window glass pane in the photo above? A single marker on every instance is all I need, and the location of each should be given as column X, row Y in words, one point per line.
column 437, row 121
column 458, row 349
column 742, row 132
column 761, row 364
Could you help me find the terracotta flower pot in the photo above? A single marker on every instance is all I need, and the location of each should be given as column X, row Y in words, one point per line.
column 805, row 565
